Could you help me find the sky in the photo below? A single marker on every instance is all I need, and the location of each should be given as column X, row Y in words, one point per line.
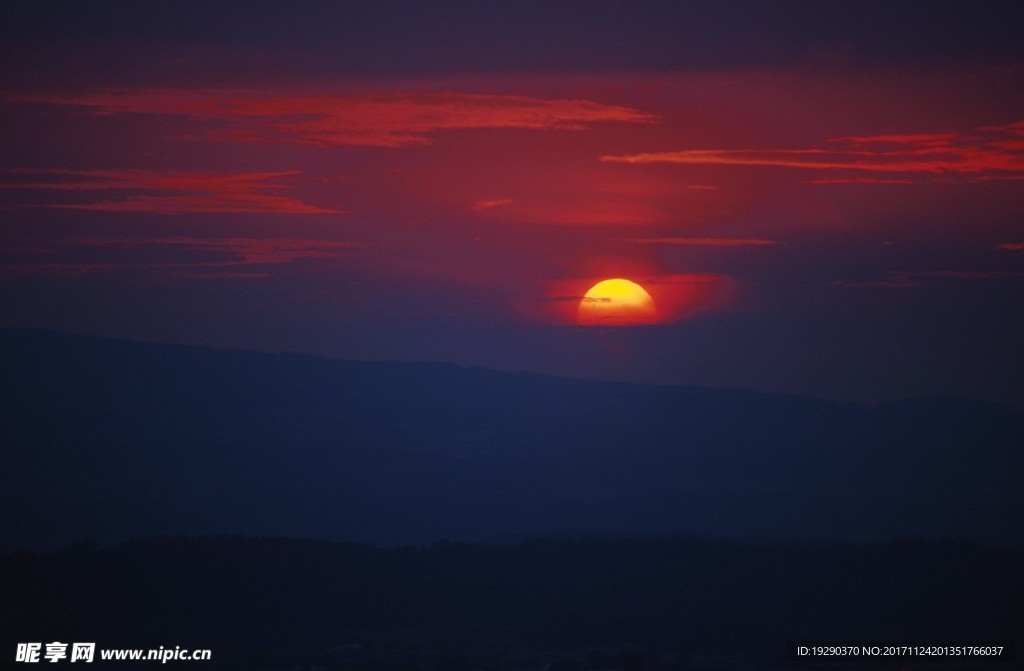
column 820, row 198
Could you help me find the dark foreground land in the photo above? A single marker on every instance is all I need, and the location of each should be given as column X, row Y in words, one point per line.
column 112, row 440
column 569, row 604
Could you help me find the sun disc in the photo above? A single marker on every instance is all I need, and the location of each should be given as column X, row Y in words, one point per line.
column 616, row 302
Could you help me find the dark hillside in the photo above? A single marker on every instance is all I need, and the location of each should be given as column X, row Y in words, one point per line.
column 110, row 440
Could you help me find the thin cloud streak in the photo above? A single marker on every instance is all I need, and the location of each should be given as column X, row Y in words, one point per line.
column 857, row 180
column 906, row 280
column 987, row 152
column 190, row 191
column 704, row 242
column 196, row 255
column 248, row 250
column 378, row 120
column 487, row 204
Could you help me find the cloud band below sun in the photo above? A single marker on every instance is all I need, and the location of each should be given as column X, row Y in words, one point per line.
column 677, row 296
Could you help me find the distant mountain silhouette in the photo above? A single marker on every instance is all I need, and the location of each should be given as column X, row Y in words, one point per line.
column 109, row 440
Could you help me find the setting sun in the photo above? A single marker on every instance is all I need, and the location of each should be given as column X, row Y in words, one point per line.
column 616, row 302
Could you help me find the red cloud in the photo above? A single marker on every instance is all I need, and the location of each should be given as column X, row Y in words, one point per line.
column 908, row 279
column 380, row 120
column 705, row 242
column 487, row 204
column 184, row 257
column 857, row 180
column 187, row 191
column 976, row 155
column 246, row 251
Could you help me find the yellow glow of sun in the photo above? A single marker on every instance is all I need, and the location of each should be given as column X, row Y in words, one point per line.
column 616, row 302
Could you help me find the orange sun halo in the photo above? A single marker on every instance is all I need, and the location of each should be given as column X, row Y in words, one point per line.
column 616, row 302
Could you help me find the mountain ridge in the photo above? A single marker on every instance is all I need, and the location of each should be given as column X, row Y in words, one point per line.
column 114, row 439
